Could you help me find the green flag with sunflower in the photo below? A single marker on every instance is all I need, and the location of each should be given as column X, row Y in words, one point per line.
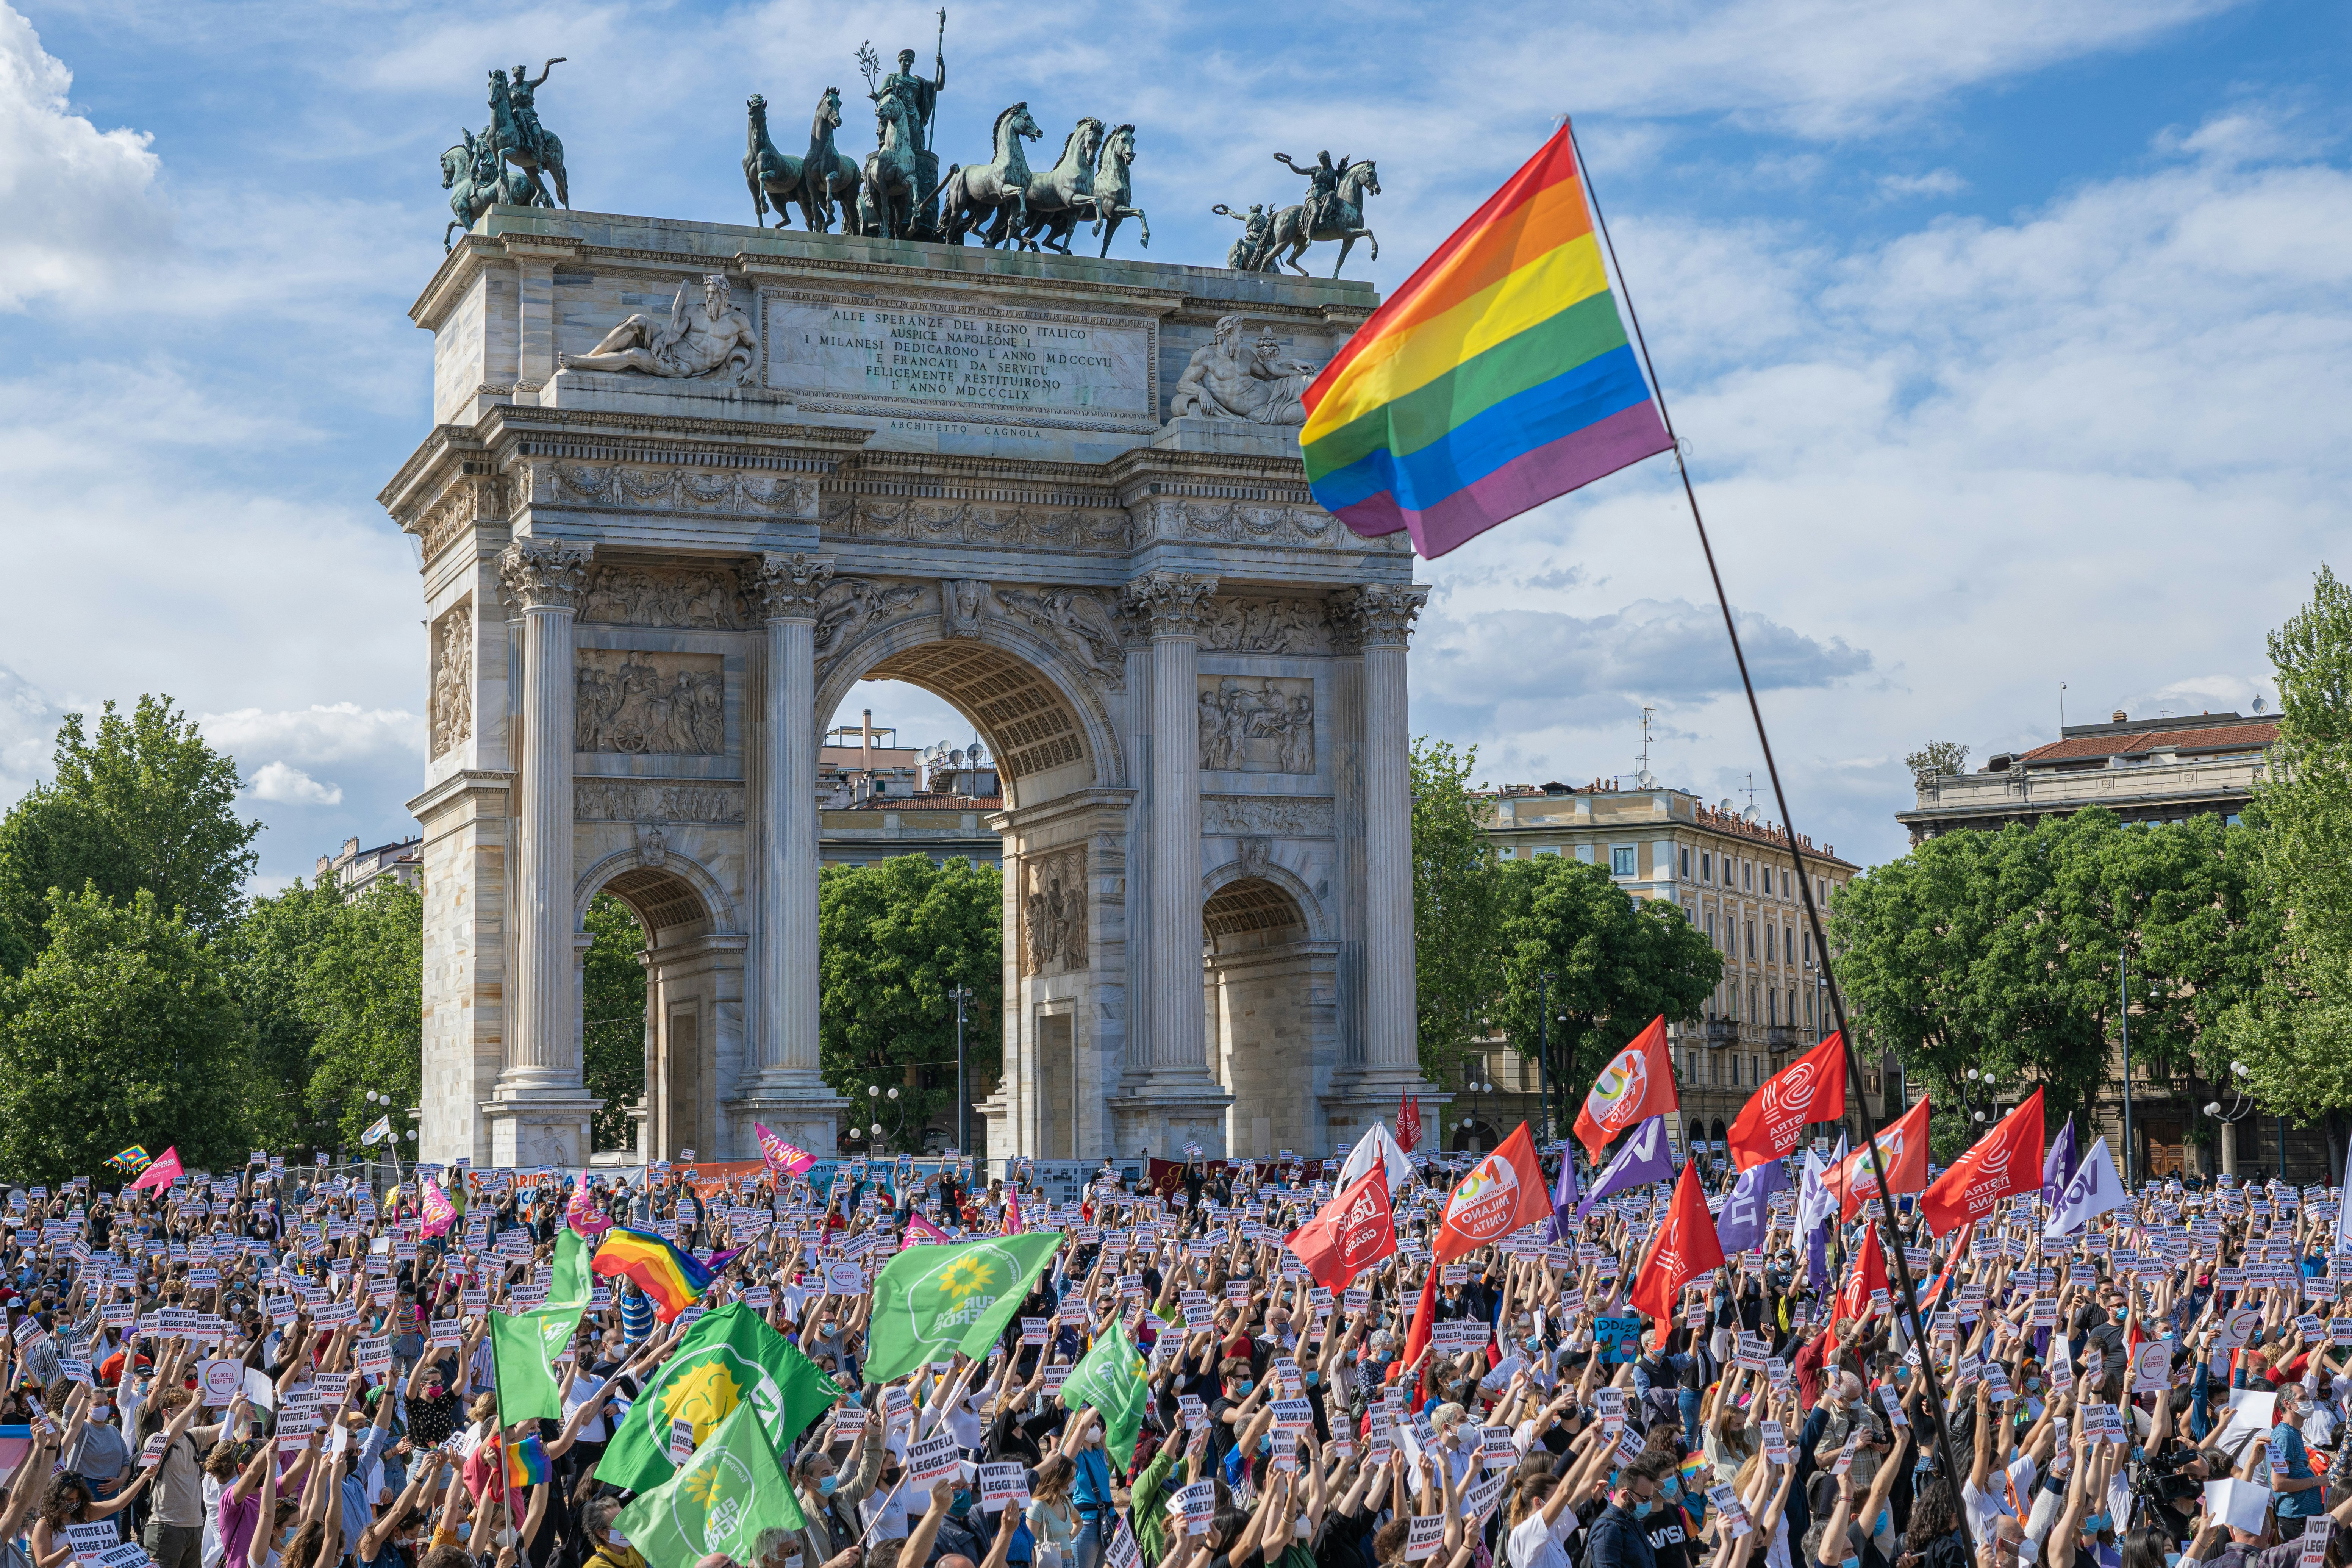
column 720, row 1501
column 932, row 1301
column 729, row 1359
column 1109, row 1378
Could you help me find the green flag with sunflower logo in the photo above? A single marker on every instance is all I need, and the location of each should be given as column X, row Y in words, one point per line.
column 720, row 1501
column 931, row 1302
column 729, row 1359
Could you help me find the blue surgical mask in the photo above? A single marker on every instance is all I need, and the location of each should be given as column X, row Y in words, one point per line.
column 2171, row 1560
column 825, row 1483
column 1245, row 1385
column 1885, row 1522
column 2094, row 1523
column 1642, row 1509
column 1671, row 1491
column 1851, row 1563
column 1313, row 1378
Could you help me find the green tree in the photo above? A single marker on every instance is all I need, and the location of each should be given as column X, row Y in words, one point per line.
column 2291, row 1031
column 1616, row 962
column 2004, row 951
column 613, row 1016
column 269, row 953
column 122, row 1031
column 363, row 992
column 893, row 938
column 1457, row 905
column 144, row 805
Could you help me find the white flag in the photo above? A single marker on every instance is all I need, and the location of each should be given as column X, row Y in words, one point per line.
column 2093, row 1191
column 1815, row 1202
column 379, row 1132
column 1378, row 1146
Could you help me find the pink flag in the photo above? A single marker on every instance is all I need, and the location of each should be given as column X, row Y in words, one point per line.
column 782, row 1157
column 584, row 1217
column 921, row 1232
column 439, row 1212
column 1011, row 1212
column 163, row 1172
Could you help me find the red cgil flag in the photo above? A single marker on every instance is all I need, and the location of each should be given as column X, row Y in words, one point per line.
column 1354, row 1231
column 1637, row 1084
column 1772, row 1122
column 1869, row 1274
column 1902, row 1146
column 1686, row 1248
column 2004, row 1160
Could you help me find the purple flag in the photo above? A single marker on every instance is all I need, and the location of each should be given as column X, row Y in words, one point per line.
column 1744, row 1220
column 1645, row 1158
column 2060, row 1167
column 1563, row 1196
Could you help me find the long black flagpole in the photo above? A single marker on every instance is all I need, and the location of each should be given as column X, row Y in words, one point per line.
column 1804, row 882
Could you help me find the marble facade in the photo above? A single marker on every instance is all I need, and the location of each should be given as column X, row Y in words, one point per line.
column 646, row 594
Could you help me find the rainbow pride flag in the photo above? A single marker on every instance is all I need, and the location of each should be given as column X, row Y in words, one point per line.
column 526, row 1463
column 1498, row 377
column 672, row 1277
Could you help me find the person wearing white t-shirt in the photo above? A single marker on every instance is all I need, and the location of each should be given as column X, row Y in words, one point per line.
column 1541, row 1524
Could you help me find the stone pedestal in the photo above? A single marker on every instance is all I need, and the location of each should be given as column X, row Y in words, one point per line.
column 1236, row 437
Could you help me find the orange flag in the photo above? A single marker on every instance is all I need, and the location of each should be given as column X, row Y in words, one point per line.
column 1685, row 1248
column 1902, row 1146
column 1637, row 1084
column 1772, row 1122
column 2004, row 1160
column 1503, row 1192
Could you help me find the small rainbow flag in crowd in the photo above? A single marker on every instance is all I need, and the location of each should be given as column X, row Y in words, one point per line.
column 1498, row 377
column 526, row 1463
column 672, row 1277
column 131, row 1160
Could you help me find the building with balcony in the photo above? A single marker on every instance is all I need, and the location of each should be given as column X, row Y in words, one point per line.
column 356, row 869
column 2145, row 770
column 877, row 798
column 1731, row 875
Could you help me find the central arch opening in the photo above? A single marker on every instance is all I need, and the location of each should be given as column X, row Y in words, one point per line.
column 690, row 981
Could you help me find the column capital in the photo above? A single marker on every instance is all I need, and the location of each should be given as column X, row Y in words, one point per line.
column 1378, row 615
column 787, row 585
column 1169, row 604
column 545, row 573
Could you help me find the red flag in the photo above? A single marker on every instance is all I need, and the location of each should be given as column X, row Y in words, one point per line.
column 1637, row 1084
column 1772, row 1122
column 1354, row 1231
column 1424, row 1313
column 1902, row 1146
column 1869, row 1274
column 1503, row 1192
column 2004, row 1160
column 1685, row 1248
column 1408, row 1131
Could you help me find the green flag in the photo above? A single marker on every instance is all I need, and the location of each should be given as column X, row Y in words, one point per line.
column 729, row 1358
column 1109, row 1378
column 720, row 1501
column 933, row 1300
column 567, row 1294
column 526, row 1388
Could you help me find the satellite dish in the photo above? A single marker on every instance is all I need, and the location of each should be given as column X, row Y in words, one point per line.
column 2260, row 703
column 978, row 754
column 1646, row 779
column 1748, row 815
column 955, row 759
column 1724, row 805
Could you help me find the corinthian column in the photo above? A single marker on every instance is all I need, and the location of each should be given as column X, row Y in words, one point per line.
column 784, row 1091
column 1381, row 618
column 1172, row 603
column 545, row 579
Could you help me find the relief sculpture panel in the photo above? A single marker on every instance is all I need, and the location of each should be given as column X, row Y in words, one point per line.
column 650, row 596
column 1054, row 911
column 452, row 718
column 1257, row 725
column 650, row 703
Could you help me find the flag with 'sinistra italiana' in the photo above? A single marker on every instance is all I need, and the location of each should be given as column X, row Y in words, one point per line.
column 1498, row 377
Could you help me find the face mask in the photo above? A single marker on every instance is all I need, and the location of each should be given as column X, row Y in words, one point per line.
column 1671, row 1491
column 1244, row 1386
column 825, row 1483
column 2095, row 1523
column 2032, row 1385
column 1313, row 1378
column 1851, row 1563
column 1642, row 1509
column 1885, row 1522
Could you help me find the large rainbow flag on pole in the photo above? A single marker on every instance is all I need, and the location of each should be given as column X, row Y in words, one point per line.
column 1497, row 378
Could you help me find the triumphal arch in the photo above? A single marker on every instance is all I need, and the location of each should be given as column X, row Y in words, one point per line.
column 688, row 483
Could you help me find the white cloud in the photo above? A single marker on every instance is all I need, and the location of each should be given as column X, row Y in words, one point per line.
column 29, row 727
column 284, row 785
column 76, row 203
column 1934, row 182
column 322, row 733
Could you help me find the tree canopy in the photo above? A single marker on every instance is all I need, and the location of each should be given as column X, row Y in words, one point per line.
column 613, row 1016
column 893, row 938
column 1457, row 905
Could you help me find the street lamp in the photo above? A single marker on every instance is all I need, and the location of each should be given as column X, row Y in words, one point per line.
column 1543, row 1048
column 2241, row 1107
column 960, row 996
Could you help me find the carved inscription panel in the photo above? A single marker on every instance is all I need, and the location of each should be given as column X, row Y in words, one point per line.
column 969, row 360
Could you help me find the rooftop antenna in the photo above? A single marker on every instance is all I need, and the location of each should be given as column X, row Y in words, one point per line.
column 1752, row 795
column 1642, row 775
column 2062, row 710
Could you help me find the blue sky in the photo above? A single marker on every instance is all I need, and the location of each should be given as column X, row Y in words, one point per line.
column 2009, row 342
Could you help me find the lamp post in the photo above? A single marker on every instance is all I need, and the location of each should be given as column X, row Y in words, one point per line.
column 961, row 995
column 873, row 1095
column 1472, row 1087
column 2239, row 1111
column 2122, row 983
column 1543, row 1048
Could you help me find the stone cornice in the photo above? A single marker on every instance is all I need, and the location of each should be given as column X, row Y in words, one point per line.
column 470, row 782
